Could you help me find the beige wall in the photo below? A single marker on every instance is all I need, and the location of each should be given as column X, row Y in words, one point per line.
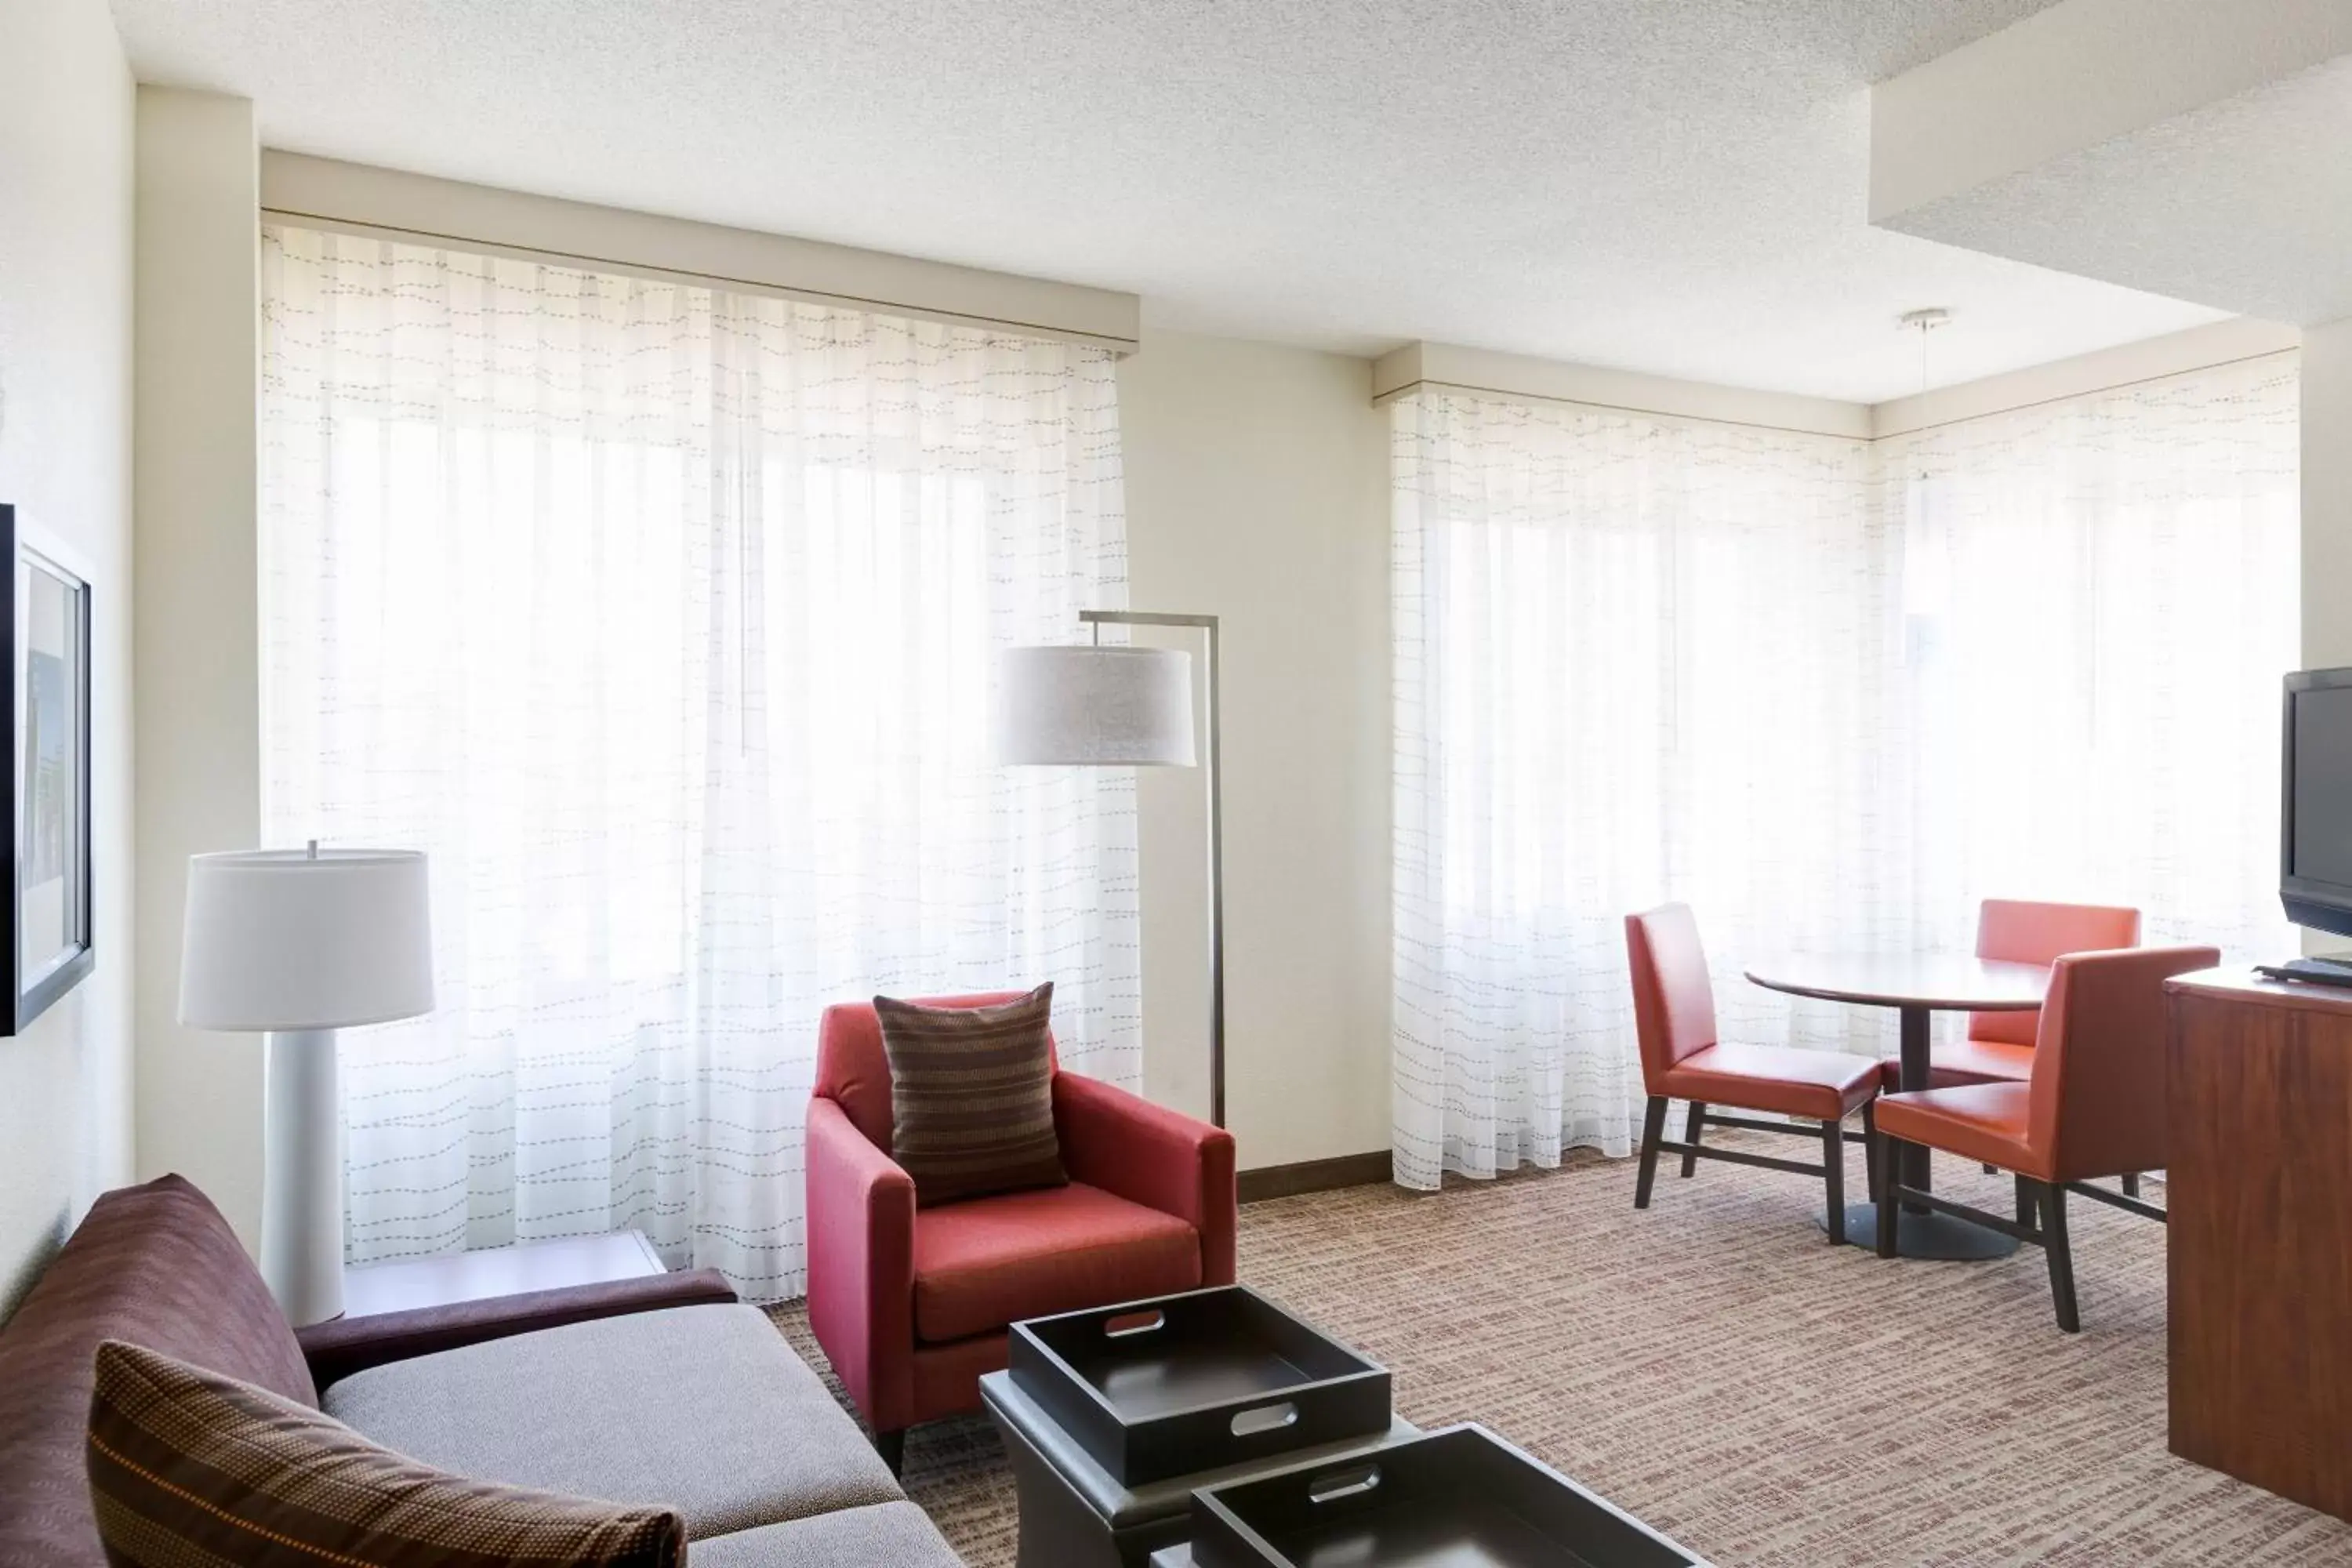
column 2328, row 495
column 1256, row 492
column 2326, row 519
column 65, row 463
column 198, row 628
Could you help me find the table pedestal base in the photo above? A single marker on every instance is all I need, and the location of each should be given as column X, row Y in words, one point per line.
column 1931, row 1235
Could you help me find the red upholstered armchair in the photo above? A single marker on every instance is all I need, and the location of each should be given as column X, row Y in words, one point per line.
column 911, row 1305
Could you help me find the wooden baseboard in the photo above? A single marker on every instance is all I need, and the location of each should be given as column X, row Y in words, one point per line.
column 1314, row 1177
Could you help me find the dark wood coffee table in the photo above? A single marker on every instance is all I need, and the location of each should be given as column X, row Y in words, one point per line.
column 371, row 1289
column 1074, row 1514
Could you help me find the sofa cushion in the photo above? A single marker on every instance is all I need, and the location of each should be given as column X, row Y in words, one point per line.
column 187, row 1466
column 989, row 1262
column 971, row 1096
column 154, row 1265
column 702, row 1409
column 884, row 1535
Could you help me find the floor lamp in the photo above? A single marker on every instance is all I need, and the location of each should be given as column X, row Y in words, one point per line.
column 1091, row 706
column 297, row 944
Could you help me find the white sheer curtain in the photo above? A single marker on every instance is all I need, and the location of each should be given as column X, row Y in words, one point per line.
column 1829, row 703
column 1633, row 661
column 662, row 618
column 2103, row 595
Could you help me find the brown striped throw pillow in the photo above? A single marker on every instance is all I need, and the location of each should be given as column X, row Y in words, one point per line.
column 191, row 1469
column 971, row 1096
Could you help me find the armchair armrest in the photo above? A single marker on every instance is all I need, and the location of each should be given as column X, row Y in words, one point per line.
column 861, row 1264
column 341, row 1346
column 1151, row 1155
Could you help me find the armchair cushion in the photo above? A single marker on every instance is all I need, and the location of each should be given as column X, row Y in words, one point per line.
column 988, row 1262
column 854, row 1072
column 1151, row 1155
column 971, row 1096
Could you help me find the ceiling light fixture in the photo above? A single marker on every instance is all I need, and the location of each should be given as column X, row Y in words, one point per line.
column 1917, row 592
column 1923, row 322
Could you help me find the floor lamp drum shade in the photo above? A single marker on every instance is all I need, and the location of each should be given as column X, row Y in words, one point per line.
column 329, row 938
column 296, row 944
column 1095, row 707
column 1090, row 706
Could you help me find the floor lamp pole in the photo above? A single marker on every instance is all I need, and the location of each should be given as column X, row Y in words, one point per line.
column 1215, row 770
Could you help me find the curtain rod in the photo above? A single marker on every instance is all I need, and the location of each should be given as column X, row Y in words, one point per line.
column 1508, row 395
column 2087, row 392
column 329, row 223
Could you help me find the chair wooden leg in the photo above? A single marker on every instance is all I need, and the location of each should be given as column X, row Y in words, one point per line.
column 2131, row 1185
column 2025, row 1185
column 892, row 1447
column 1870, row 1149
column 2051, row 1196
column 1833, row 1176
column 1692, row 1126
column 1890, row 1160
column 1653, row 1127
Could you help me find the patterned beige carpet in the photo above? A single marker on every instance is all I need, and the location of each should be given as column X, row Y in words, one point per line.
column 1714, row 1367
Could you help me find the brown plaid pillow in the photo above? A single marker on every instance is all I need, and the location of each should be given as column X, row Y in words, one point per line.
column 971, row 1096
column 190, row 1469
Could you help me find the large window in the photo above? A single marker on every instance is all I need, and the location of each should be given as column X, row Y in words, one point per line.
column 663, row 618
column 1829, row 693
column 2100, row 598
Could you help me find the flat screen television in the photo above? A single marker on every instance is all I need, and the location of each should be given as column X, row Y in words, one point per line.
column 2315, row 820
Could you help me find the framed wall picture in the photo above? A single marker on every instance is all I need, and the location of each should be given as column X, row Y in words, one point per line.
column 51, row 938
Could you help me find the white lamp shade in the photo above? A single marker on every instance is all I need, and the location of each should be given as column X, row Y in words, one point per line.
column 288, row 938
column 1095, row 707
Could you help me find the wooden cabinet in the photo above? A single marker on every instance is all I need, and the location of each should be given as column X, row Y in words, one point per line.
column 2260, row 1263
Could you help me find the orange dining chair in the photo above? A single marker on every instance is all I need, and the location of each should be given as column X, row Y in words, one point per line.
column 1999, row 1046
column 1674, row 1015
column 2092, row 1106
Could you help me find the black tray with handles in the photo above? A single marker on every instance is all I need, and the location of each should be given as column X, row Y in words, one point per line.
column 1462, row 1498
column 1195, row 1382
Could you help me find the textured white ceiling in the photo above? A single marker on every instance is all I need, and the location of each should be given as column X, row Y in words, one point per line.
column 2245, row 203
column 1675, row 186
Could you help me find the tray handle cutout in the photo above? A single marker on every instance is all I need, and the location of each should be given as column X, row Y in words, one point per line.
column 1264, row 1418
column 1342, row 1484
column 1129, row 1324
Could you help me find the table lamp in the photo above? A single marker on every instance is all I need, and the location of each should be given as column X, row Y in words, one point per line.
column 296, row 944
column 1090, row 706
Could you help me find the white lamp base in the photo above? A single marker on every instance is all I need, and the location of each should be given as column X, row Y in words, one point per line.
column 303, row 1190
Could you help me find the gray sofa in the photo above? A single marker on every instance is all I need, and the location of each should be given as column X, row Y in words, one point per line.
column 663, row 1392
column 704, row 1409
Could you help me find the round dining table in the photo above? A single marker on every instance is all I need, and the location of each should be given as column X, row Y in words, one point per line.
column 1916, row 985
